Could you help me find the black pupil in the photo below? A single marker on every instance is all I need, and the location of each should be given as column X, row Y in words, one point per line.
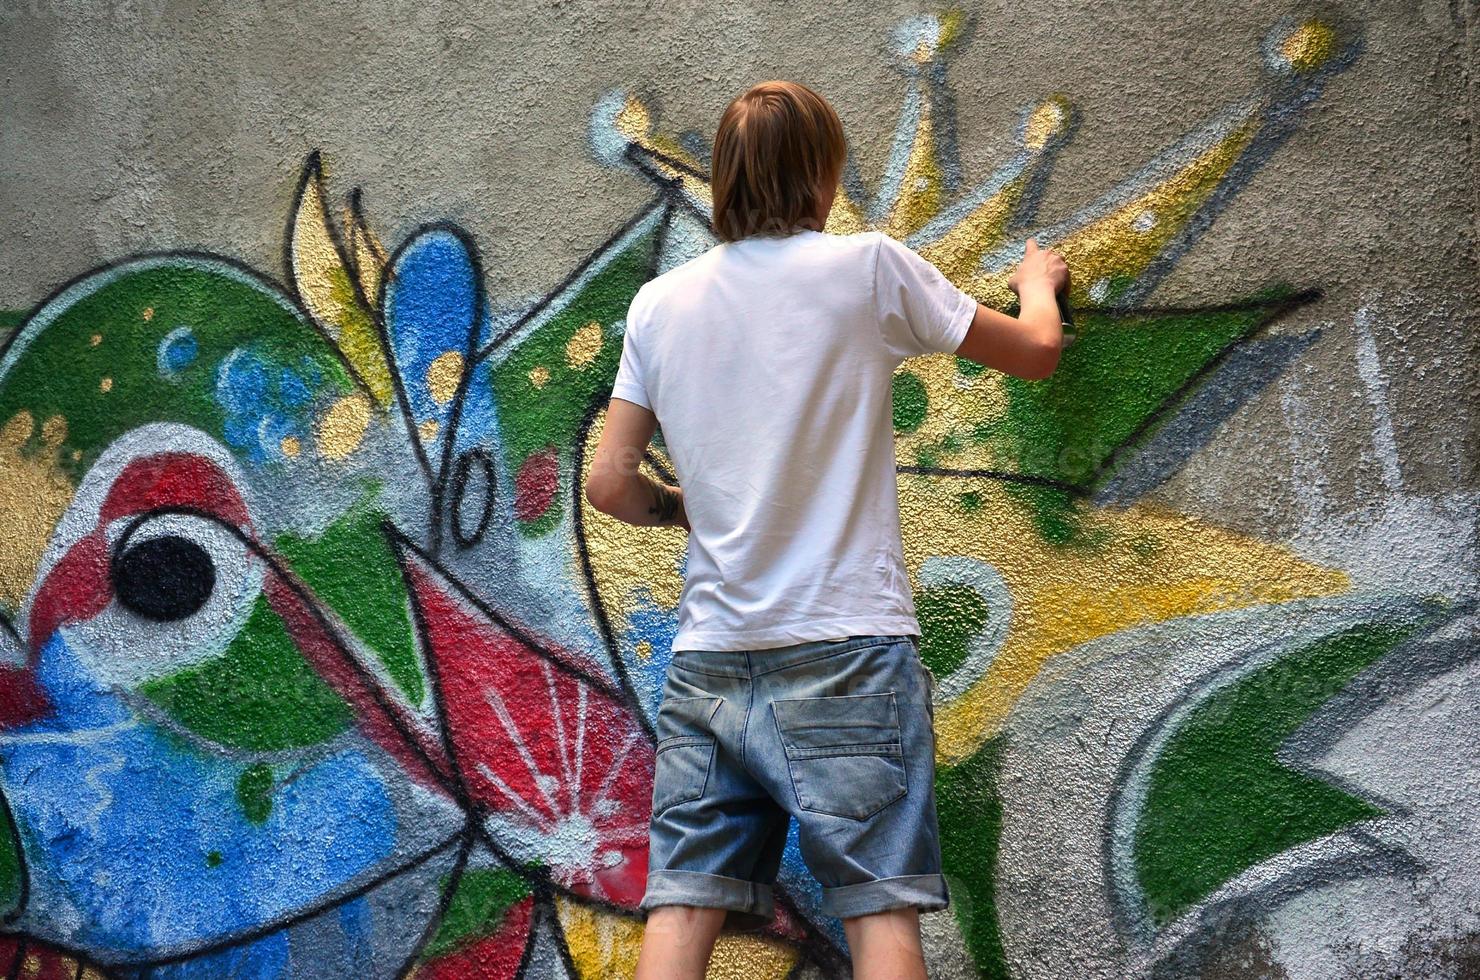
column 164, row 578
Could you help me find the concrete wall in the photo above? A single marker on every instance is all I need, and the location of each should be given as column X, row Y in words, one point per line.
column 312, row 663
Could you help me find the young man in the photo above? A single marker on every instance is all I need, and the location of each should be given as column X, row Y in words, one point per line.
column 796, row 689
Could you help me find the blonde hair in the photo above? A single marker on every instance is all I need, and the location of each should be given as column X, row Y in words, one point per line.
column 777, row 148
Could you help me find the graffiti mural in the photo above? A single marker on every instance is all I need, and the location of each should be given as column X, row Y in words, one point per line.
column 313, row 662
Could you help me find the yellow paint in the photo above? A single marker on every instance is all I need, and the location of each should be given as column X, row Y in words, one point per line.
column 1123, row 243
column 846, row 216
column 1064, row 596
column 342, row 426
column 1309, row 46
column 644, row 651
column 34, row 494
column 957, row 404
column 1048, row 121
column 922, row 191
column 583, row 346
column 428, row 430
column 539, row 375
column 367, row 255
column 106, row 385
column 290, row 446
column 443, row 376
column 605, row 945
column 148, row 313
column 95, row 339
column 630, row 563
column 31, row 967
column 323, row 279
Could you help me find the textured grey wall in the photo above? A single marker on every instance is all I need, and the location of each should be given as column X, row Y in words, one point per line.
column 1316, row 479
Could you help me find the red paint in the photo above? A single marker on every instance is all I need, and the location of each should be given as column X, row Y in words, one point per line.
column 492, row 957
column 76, row 588
column 38, row 961
column 22, row 700
column 174, row 480
column 534, row 486
column 515, row 719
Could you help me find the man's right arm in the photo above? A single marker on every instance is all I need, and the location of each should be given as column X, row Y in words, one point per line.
column 1027, row 345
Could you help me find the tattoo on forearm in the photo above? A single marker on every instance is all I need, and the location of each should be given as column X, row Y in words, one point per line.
column 665, row 502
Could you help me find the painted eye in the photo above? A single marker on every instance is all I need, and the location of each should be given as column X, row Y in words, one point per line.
column 166, row 578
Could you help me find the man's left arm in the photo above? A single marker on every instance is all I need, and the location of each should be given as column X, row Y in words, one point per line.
column 616, row 484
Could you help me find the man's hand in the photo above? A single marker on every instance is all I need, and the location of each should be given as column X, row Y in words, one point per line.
column 1039, row 264
column 616, row 485
column 1029, row 344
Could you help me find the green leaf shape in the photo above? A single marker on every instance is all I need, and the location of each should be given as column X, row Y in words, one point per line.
column 12, row 865
column 533, row 416
column 1123, row 371
column 476, row 909
column 261, row 694
column 1219, row 802
column 969, row 812
column 350, row 567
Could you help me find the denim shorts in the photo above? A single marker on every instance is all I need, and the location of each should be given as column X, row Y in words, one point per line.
column 839, row 734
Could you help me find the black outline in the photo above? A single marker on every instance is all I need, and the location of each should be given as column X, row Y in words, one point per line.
column 301, row 591
column 459, row 488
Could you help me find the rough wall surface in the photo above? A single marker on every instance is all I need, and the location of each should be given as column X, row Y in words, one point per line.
column 312, row 663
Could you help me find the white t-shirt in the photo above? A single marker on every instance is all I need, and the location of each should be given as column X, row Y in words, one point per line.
column 769, row 362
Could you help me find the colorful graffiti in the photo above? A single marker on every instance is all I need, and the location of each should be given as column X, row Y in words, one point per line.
column 313, row 660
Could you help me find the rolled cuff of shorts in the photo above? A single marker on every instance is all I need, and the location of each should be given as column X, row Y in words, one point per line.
column 750, row 902
column 927, row 892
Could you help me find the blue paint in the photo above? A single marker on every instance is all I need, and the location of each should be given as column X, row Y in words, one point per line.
column 433, row 300
column 177, row 351
column 112, row 807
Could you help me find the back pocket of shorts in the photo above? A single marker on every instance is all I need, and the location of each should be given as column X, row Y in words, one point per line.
column 685, row 750
column 844, row 752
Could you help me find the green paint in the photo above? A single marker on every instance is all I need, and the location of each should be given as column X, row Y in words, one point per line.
column 1218, row 801
column 950, row 616
column 532, row 417
column 60, row 370
column 910, row 401
column 9, row 320
column 968, row 368
column 1057, row 514
column 351, row 568
column 254, row 792
column 971, row 501
column 214, row 859
column 260, row 694
column 476, row 909
column 1122, row 371
column 12, row 884
column 547, row 521
column 969, row 813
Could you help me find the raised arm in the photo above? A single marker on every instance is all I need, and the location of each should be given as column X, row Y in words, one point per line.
column 1027, row 345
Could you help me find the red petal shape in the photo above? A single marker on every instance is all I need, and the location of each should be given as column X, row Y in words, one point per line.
column 538, row 741
column 76, row 588
column 174, row 480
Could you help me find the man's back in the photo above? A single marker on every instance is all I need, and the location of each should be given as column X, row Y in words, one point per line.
column 768, row 362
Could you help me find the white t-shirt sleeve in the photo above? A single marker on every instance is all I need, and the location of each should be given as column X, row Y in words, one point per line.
column 920, row 311
column 630, row 385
